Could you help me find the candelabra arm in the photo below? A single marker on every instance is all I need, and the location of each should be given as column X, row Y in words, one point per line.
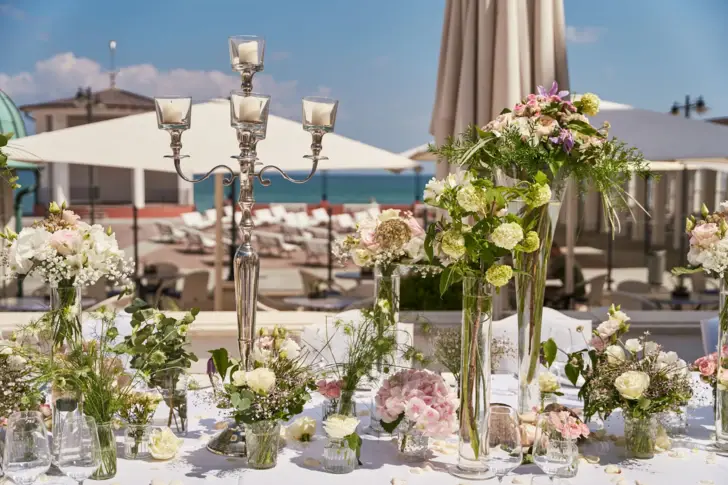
column 227, row 180
column 266, row 182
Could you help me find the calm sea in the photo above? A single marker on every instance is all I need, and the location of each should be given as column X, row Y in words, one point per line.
column 341, row 187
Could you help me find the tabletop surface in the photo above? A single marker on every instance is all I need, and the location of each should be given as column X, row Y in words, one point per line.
column 689, row 462
column 328, row 303
column 33, row 303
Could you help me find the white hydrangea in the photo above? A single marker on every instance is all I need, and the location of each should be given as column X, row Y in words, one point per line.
column 507, row 235
column 471, row 199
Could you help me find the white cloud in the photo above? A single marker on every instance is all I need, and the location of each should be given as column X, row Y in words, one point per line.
column 61, row 75
column 584, row 35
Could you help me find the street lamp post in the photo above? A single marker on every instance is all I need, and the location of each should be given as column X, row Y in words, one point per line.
column 700, row 107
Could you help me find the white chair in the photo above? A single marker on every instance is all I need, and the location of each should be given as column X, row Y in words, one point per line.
column 194, row 292
column 344, row 222
column 318, row 232
column 317, row 250
column 262, row 217
column 273, row 244
column 709, row 334
column 279, row 212
column 198, row 241
column 195, row 220
column 304, row 220
column 556, row 325
column 211, row 216
column 168, row 232
column 320, row 216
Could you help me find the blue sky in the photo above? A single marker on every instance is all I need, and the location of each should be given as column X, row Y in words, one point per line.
column 379, row 57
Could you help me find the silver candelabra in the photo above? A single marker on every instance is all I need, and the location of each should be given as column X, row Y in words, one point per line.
column 249, row 116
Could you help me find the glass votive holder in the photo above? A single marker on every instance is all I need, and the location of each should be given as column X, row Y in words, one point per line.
column 249, row 112
column 675, row 422
column 246, row 52
column 174, row 112
column 339, row 458
column 319, row 114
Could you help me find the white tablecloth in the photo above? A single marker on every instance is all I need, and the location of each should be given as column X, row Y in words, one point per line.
column 686, row 464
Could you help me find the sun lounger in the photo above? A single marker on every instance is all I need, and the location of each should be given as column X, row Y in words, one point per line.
column 279, row 212
column 168, row 233
column 317, row 250
column 262, row 217
column 198, row 241
column 320, row 216
column 344, row 222
column 273, row 244
column 195, row 220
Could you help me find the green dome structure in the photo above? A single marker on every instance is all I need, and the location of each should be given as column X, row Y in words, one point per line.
column 11, row 119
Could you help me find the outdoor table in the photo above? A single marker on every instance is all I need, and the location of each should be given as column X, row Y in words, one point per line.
column 354, row 275
column 696, row 300
column 329, row 303
column 34, row 304
column 688, row 463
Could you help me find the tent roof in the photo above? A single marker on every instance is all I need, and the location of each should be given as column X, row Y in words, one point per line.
column 420, row 153
column 135, row 142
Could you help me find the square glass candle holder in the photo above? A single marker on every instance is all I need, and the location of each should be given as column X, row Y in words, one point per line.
column 246, row 52
column 319, row 114
column 173, row 113
column 249, row 112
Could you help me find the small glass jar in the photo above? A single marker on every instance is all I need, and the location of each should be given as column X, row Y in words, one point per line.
column 107, row 442
column 261, row 441
column 640, row 436
column 172, row 385
column 136, row 441
column 344, row 405
column 339, row 458
column 412, row 445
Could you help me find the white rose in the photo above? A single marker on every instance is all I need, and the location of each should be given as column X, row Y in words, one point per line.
column 238, row 378
column 547, row 382
column 361, row 257
column 16, row 362
column 292, row 349
column 651, row 348
column 339, row 427
column 667, row 358
column 260, row 380
column 615, row 354
column 620, row 316
column 415, row 249
column 388, row 214
column 632, row 384
column 633, row 345
column 302, row 429
column 608, row 328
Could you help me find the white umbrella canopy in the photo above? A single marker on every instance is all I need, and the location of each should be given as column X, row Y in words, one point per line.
column 494, row 53
column 135, row 142
column 662, row 136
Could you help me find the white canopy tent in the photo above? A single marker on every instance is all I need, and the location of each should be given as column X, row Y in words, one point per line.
column 135, row 142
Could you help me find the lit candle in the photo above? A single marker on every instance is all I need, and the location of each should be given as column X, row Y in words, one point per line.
column 321, row 114
column 249, row 110
column 171, row 114
column 248, row 53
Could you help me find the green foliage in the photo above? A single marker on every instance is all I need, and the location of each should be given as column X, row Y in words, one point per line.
column 422, row 293
column 549, row 351
column 6, row 172
column 354, row 441
column 390, row 427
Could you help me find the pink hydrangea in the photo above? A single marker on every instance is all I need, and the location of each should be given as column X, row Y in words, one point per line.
column 422, row 398
column 569, row 426
column 330, row 389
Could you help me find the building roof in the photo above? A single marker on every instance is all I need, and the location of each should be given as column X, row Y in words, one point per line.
column 11, row 120
column 111, row 98
column 720, row 121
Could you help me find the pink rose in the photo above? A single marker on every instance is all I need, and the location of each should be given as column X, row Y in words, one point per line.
column 707, row 367
column 70, row 217
column 329, row 389
column 597, row 343
column 65, row 241
column 704, row 235
column 414, row 226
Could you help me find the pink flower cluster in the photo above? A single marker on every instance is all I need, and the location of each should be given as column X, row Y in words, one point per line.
column 569, row 426
column 422, row 398
column 330, row 389
column 708, row 366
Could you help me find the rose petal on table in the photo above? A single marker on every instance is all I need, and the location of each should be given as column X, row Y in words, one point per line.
column 157, row 481
column 398, row 481
column 639, row 482
column 677, row 454
column 176, row 482
column 416, row 471
column 427, row 467
column 519, row 480
column 311, row 462
column 197, row 416
column 695, row 450
column 593, row 459
column 612, row 469
column 221, row 425
column 706, row 482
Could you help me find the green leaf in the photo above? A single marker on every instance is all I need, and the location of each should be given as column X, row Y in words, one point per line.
column 572, row 373
column 685, row 271
column 221, row 360
column 354, row 442
column 429, row 239
column 445, row 278
column 390, row 427
column 549, row 351
column 644, row 403
column 582, row 127
column 540, row 178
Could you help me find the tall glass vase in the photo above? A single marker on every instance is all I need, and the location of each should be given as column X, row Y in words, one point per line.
column 386, row 317
column 531, row 273
column 474, row 380
column 65, row 313
column 721, row 391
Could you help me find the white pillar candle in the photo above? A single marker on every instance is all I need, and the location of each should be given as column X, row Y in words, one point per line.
column 249, row 110
column 248, row 52
column 171, row 114
column 321, row 115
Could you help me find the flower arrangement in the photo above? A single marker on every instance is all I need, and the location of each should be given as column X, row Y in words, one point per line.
column 163, row 444
column 5, row 171
column 417, row 401
column 19, row 388
column 137, row 410
column 343, row 428
column 635, row 376
column 393, row 237
column 66, row 253
column 568, row 425
column 708, row 367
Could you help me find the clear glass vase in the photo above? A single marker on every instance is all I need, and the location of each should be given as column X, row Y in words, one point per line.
column 640, row 436
column 721, row 390
column 261, row 440
column 531, row 270
column 172, row 385
column 339, row 458
column 66, row 313
column 412, row 445
column 136, row 441
column 386, row 315
column 65, row 405
column 474, row 379
column 107, row 443
column 344, row 405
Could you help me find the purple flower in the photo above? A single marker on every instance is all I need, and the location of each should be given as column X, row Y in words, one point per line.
column 565, row 138
column 554, row 91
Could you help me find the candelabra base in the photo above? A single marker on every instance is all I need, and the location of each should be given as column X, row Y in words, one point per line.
column 229, row 442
